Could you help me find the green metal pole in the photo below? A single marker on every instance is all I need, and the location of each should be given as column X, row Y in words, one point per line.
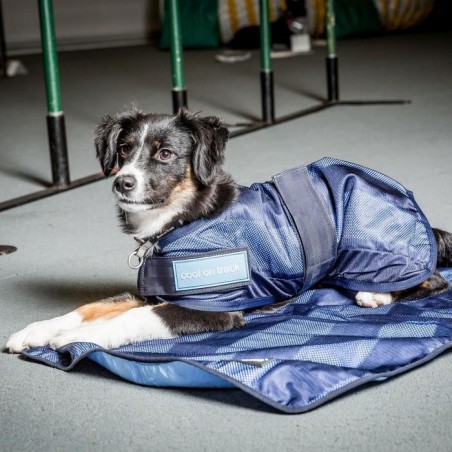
column 265, row 36
column 330, row 28
column 55, row 117
column 50, row 56
column 179, row 91
column 331, row 58
column 267, row 91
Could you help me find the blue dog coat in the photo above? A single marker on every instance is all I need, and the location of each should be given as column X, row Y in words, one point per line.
column 331, row 221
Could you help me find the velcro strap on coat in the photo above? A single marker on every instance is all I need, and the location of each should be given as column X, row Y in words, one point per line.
column 311, row 219
column 194, row 274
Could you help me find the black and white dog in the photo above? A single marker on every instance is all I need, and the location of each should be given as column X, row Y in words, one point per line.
column 169, row 172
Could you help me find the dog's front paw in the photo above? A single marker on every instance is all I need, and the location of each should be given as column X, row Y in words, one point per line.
column 373, row 299
column 40, row 333
column 34, row 335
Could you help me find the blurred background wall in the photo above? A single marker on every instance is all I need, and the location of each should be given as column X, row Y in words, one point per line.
column 82, row 23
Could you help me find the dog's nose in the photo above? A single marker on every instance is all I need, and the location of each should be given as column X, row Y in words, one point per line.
column 125, row 184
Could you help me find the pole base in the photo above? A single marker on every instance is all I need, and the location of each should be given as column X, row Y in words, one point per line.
column 179, row 99
column 7, row 249
column 58, row 150
column 332, row 78
column 267, row 96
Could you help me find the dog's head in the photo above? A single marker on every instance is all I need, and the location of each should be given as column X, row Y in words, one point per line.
column 164, row 161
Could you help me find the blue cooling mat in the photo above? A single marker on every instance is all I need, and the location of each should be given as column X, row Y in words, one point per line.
column 312, row 350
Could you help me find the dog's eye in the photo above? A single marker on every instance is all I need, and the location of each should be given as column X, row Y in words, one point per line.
column 124, row 151
column 164, row 154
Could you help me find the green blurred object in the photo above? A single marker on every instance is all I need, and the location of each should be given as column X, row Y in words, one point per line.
column 356, row 18
column 198, row 22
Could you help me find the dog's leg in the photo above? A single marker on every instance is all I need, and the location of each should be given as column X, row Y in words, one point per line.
column 40, row 333
column 435, row 285
column 161, row 321
column 119, row 321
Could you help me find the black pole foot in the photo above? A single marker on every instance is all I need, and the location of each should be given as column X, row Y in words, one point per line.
column 7, row 249
column 268, row 100
column 179, row 99
column 332, row 78
column 58, row 150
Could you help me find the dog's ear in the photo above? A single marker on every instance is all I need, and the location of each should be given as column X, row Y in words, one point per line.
column 210, row 137
column 106, row 138
column 107, row 135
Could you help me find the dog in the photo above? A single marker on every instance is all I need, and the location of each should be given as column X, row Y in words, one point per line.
column 168, row 175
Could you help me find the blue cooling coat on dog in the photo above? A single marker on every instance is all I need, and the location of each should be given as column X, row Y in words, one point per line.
column 332, row 221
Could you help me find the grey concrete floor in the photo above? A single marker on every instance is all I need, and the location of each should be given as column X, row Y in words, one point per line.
column 70, row 249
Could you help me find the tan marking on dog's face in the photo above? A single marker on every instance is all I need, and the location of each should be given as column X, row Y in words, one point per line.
column 107, row 309
column 156, row 144
column 129, row 141
column 185, row 189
